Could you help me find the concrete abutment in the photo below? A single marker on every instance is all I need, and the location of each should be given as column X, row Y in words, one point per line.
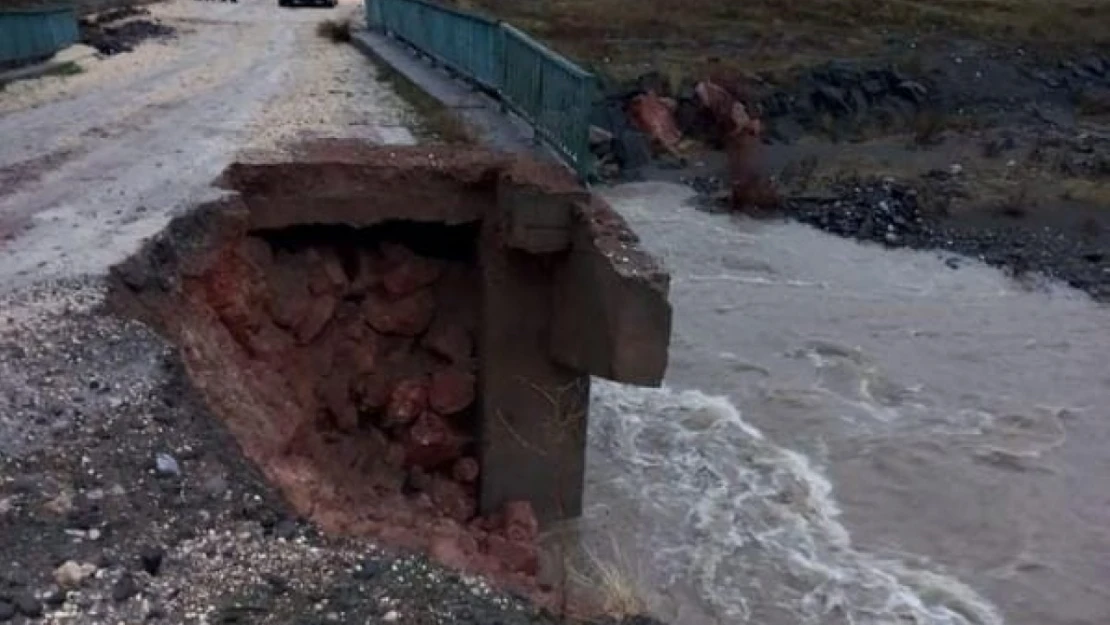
column 402, row 338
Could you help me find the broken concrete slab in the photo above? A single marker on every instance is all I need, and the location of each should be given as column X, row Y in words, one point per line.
column 610, row 314
column 560, row 287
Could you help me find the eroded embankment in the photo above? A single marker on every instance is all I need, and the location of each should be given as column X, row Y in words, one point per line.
column 385, row 333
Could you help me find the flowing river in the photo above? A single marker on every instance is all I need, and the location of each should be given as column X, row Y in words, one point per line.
column 854, row 435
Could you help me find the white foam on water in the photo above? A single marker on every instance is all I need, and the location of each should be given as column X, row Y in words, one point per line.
column 716, row 513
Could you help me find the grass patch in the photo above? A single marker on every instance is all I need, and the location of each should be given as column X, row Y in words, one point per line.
column 695, row 36
column 1096, row 192
column 69, row 68
column 336, row 31
column 432, row 122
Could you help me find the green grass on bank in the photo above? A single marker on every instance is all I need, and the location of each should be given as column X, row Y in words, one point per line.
column 69, row 68
column 627, row 37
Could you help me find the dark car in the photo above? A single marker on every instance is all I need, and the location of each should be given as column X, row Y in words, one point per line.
column 309, row 3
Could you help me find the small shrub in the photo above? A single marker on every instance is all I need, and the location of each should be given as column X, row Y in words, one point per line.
column 337, row 31
column 615, row 581
column 68, row 68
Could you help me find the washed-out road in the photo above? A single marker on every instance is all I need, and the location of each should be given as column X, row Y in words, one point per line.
column 121, row 499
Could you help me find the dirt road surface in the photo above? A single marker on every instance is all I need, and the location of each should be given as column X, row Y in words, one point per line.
column 92, row 163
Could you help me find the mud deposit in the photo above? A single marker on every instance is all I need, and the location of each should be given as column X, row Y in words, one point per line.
column 362, row 330
column 120, row 30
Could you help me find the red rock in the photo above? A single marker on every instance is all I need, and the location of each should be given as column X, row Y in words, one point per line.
column 519, row 557
column 407, row 272
column 302, row 386
column 750, row 186
column 335, row 394
column 317, row 315
column 727, row 112
column 465, row 470
column 407, row 316
column 449, row 340
column 360, row 355
column 288, row 291
column 231, row 289
column 369, row 272
column 454, row 550
column 325, row 271
column 482, row 525
column 452, row 391
column 269, row 343
column 287, row 312
column 256, row 252
column 407, row 401
column 654, row 116
column 395, row 455
column 333, row 270
column 431, row 442
column 518, row 521
column 453, row 500
column 372, row 390
column 418, row 480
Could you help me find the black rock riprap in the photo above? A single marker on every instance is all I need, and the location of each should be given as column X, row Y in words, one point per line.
column 873, row 211
column 891, row 214
column 840, row 96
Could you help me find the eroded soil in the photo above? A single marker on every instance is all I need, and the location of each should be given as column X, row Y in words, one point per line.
column 116, row 465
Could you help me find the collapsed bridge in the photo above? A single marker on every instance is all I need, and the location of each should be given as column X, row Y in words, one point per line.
column 402, row 338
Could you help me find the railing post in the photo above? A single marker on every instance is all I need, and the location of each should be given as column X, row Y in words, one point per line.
column 503, row 66
column 526, row 77
column 538, row 114
column 585, row 156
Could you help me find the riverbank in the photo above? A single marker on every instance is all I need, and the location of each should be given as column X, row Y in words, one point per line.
column 981, row 130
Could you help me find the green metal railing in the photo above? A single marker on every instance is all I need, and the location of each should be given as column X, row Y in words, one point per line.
column 551, row 93
column 27, row 35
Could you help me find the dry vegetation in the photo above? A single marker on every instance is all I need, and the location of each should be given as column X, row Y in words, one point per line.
column 765, row 34
column 432, row 121
column 336, row 31
column 612, row 581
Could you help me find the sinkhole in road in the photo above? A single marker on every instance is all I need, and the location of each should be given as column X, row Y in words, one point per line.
column 402, row 340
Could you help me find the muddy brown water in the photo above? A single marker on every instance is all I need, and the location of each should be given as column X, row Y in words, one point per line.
column 851, row 434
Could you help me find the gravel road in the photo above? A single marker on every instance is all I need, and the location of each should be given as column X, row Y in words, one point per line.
column 121, row 498
column 90, row 164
